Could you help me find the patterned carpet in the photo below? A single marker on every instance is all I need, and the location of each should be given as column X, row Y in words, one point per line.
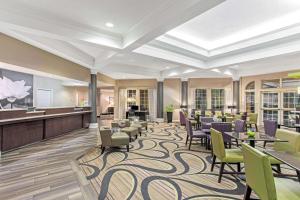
column 158, row 166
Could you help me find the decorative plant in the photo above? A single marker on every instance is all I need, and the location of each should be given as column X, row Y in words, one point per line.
column 169, row 108
column 13, row 90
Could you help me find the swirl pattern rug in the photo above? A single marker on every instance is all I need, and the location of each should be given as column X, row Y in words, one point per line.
column 158, row 166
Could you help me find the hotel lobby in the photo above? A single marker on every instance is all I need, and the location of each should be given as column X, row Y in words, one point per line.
column 140, row 99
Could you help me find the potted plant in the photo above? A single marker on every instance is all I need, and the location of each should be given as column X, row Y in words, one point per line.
column 169, row 109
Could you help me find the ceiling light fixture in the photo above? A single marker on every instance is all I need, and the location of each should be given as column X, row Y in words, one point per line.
column 216, row 70
column 228, row 72
column 189, row 71
column 109, row 24
column 173, row 74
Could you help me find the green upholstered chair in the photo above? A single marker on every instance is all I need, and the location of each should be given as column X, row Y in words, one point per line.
column 252, row 120
column 109, row 139
column 259, row 178
column 218, row 113
column 226, row 156
column 137, row 125
column 293, row 138
column 144, row 124
column 208, row 113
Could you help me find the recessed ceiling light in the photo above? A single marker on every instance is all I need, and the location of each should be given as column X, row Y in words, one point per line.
column 109, row 24
column 189, row 71
column 167, row 67
column 216, row 70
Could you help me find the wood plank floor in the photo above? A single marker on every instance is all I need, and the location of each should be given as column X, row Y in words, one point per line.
column 48, row 170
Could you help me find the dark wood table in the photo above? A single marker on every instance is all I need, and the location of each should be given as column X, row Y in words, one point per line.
column 290, row 159
column 258, row 137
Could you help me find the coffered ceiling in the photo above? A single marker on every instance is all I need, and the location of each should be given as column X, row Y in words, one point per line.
column 162, row 38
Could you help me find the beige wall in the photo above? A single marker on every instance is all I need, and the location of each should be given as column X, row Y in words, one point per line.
column 172, row 95
column 19, row 53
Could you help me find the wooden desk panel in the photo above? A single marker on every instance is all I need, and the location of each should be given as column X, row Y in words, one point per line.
column 16, row 135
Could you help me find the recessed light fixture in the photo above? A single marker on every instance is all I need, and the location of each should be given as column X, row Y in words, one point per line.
column 189, row 71
column 216, row 70
column 228, row 72
column 167, row 67
column 109, row 24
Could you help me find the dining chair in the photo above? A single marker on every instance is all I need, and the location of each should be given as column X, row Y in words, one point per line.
column 109, row 139
column 225, row 156
column 270, row 127
column 293, row 141
column 223, row 127
column 182, row 118
column 252, row 120
column 260, row 179
column 193, row 134
column 239, row 126
column 207, row 113
column 218, row 113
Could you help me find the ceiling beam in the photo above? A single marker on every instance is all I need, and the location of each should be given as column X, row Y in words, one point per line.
column 168, row 16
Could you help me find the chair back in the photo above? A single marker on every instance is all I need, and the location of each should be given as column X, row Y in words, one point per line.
column 204, row 121
column 217, row 144
column 253, row 118
column 239, row 126
column 293, row 138
column 223, row 127
column 208, row 113
column 105, row 135
column 182, row 118
column 270, row 127
column 218, row 113
column 189, row 128
column 258, row 172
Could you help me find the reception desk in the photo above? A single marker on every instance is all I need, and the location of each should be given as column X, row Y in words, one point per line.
column 22, row 128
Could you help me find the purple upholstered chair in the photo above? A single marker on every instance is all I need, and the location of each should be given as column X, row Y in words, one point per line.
column 270, row 127
column 206, row 123
column 223, row 127
column 193, row 134
column 239, row 126
column 182, row 118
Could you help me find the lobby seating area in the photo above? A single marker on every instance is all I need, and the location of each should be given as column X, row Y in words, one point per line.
column 150, row 99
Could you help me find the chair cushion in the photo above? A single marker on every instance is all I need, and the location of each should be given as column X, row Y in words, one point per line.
column 287, row 189
column 131, row 131
column 233, row 156
column 119, row 138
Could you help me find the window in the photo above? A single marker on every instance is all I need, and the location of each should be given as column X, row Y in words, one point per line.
column 289, row 119
column 201, row 99
column 290, row 83
column 217, row 99
column 250, row 102
column 270, row 115
column 144, row 100
column 131, row 98
column 266, row 84
column 290, row 100
column 250, row 86
column 270, row 100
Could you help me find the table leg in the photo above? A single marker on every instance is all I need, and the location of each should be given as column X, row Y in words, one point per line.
column 298, row 174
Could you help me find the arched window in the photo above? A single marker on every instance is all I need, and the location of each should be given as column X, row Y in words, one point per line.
column 250, row 86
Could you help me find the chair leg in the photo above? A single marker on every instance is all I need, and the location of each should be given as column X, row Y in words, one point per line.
column 247, row 193
column 278, row 168
column 187, row 138
column 127, row 146
column 221, row 172
column 265, row 144
column 256, row 128
column 239, row 167
column 213, row 163
column 191, row 138
column 102, row 149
